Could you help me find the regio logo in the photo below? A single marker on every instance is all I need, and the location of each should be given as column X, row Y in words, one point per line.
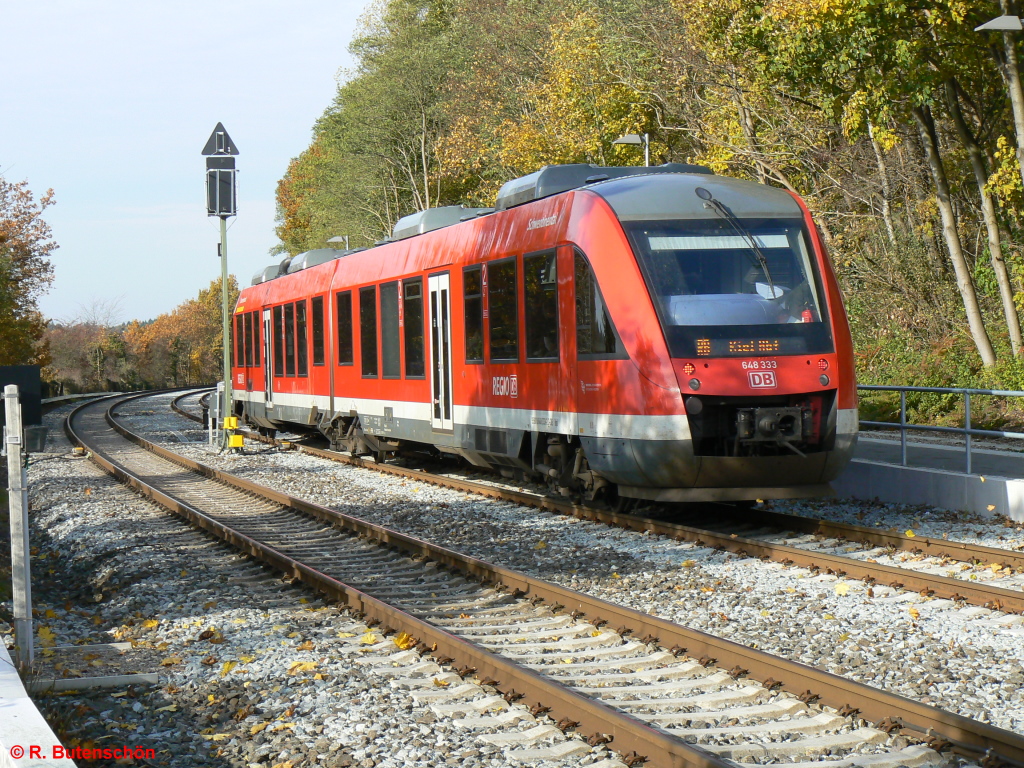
column 505, row 386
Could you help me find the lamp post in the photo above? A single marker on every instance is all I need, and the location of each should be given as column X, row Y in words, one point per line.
column 221, row 201
column 637, row 140
column 339, row 239
column 1007, row 25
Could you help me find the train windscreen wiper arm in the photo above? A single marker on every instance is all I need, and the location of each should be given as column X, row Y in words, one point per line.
column 742, row 231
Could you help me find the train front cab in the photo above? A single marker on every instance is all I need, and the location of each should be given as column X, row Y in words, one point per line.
column 756, row 342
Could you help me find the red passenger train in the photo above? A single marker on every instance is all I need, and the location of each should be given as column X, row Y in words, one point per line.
column 648, row 333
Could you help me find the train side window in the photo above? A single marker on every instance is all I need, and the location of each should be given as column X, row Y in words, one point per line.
column 473, row 298
column 389, row 332
column 412, row 315
column 540, row 281
column 596, row 337
column 503, row 310
column 344, row 302
column 256, row 322
column 278, row 341
column 239, row 342
column 368, row 330
column 289, row 339
column 301, row 349
column 318, row 329
column 247, row 328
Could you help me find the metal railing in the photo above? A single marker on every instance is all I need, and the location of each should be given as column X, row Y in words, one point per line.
column 966, row 430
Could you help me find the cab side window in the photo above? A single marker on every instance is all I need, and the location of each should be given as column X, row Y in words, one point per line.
column 596, row 337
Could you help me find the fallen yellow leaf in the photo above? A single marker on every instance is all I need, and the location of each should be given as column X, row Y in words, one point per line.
column 346, row 634
column 829, row 617
column 168, row 708
column 842, row 589
column 368, row 639
column 914, row 613
column 405, row 641
column 257, row 728
column 541, row 545
column 688, row 563
column 301, row 666
column 910, row 534
column 50, row 613
column 247, row 659
column 440, row 683
column 47, row 637
column 149, row 623
column 227, row 667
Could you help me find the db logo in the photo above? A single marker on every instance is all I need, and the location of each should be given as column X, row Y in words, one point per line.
column 762, row 379
column 513, row 386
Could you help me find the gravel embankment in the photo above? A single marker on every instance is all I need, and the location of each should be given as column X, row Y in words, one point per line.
column 966, row 661
column 253, row 672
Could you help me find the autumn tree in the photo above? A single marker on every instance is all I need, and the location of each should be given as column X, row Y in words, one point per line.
column 894, row 121
column 183, row 347
column 25, row 272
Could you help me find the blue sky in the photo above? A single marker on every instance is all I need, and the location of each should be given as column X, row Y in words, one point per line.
column 110, row 104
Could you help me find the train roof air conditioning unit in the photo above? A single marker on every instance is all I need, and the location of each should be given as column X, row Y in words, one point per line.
column 555, row 179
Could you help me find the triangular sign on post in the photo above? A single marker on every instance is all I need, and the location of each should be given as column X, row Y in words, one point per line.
column 220, row 143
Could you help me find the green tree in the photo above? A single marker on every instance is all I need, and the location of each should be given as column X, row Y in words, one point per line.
column 25, row 272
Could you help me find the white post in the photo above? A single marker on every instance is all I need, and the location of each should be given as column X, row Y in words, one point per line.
column 217, row 424
column 17, row 490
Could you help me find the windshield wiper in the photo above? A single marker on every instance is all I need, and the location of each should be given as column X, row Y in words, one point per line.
column 737, row 225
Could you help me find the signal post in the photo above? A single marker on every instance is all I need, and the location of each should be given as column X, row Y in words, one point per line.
column 221, row 201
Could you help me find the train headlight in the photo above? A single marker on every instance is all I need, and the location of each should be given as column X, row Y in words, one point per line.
column 694, row 384
column 824, row 380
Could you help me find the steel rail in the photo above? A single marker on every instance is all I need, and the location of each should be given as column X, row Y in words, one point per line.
column 953, row 550
column 874, row 705
column 628, row 733
column 998, row 598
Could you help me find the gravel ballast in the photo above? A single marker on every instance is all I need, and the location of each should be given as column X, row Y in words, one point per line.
column 964, row 660
column 253, row 671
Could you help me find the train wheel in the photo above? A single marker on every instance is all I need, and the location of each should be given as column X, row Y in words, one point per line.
column 623, row 505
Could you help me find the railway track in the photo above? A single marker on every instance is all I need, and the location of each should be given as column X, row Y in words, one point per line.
column 934, row 568
column 658, row 690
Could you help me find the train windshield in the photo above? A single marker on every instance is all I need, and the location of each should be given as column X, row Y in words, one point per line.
column 752, row 289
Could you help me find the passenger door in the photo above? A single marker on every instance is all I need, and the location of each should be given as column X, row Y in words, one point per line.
column 441, row 416
column 268, row 360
